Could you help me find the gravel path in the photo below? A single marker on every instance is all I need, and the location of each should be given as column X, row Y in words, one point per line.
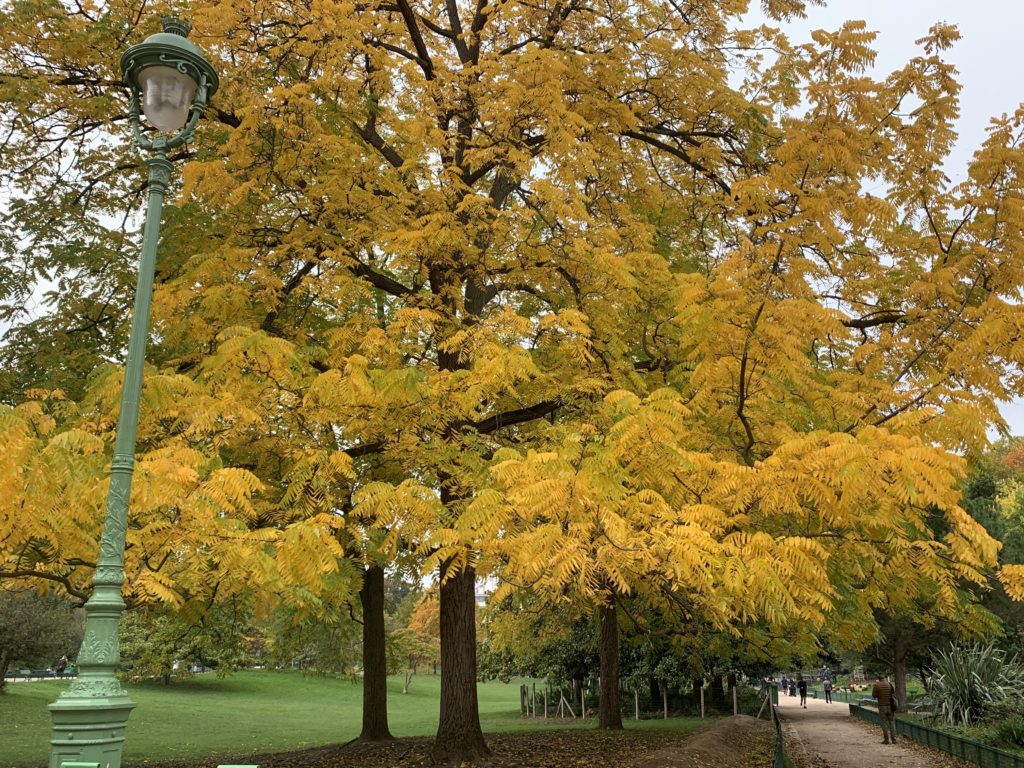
column 825, row 736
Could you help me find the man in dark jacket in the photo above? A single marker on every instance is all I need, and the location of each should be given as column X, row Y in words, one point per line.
column 886, row 696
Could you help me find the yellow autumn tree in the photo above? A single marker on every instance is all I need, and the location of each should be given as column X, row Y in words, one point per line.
column 552, row 266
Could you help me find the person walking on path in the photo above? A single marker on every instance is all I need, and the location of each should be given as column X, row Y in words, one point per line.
column 827, row 686
column 62, row 665
column 886, row 696
column 801, row 685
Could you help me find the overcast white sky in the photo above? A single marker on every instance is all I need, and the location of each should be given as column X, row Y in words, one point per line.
column 988, row 57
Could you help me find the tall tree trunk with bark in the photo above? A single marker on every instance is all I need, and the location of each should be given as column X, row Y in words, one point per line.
column 459, row 736
column 610, row 713
column 899, row 670
column 375, row 662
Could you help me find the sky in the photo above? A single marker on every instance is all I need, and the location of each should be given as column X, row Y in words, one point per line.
column 988, row 58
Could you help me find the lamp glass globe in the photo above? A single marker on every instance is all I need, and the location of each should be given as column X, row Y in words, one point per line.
column 167, row 95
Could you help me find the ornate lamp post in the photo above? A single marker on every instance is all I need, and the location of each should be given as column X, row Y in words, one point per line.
column 174, row 83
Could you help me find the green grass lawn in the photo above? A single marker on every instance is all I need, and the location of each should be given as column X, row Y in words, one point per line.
column 259, row 711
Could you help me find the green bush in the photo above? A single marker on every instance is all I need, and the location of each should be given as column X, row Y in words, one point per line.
column 969, row 684
column 1008, row 733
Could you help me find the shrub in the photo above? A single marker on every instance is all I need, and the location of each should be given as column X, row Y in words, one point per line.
column 969, row 684
column 1008, row 733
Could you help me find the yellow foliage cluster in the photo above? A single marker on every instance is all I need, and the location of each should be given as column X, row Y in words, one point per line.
column 537, row 288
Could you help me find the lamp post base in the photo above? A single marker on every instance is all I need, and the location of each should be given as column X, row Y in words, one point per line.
column 88, row 729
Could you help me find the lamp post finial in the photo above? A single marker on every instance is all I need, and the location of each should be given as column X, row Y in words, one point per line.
column 176, row 25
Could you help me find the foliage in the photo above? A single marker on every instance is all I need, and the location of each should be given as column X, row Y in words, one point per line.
column 968, row 684
column 409, row 650
column 523, row 636
column 35, row 629
column 598, row 299
column 993, row 497
column 157, row 643
column 1008, row 733
column 326, row 643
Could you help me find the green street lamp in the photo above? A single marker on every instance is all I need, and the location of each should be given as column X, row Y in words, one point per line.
column 170, row 83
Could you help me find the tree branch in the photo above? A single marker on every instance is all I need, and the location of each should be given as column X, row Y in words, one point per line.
column 370, row 135
column 511, row 418
column 874, row 319
column 683, row 155
column 378, row 279
column 423, row 55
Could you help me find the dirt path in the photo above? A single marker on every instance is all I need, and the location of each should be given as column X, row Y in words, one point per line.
column 825, row 736
column 730, row 742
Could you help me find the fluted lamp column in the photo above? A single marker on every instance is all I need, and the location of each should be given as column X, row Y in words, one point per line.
column 170, row 84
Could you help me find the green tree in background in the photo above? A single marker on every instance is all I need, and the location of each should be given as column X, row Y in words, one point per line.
column 35, row 630
column 158, row 643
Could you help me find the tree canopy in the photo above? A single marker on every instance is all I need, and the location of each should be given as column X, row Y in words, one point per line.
column 605, row 299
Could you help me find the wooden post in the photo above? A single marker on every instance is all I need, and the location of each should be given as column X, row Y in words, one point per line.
column 764, row 703
column 636, row 702
column 522, row 700
column 563, row 704
column 702, row 702
column 583, row 701
column 664, row 698
column 533, row 698
column 735, row 705
column 545, row 703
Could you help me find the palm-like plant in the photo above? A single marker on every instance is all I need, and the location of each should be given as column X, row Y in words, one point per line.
column 969, row 683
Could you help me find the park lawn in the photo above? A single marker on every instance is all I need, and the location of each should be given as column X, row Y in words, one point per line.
column 260, row 711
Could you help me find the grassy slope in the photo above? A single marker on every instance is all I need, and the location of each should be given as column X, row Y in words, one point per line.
column 256, row 711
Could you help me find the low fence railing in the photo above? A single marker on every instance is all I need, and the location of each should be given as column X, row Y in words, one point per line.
column 771, row 698
column 848, row 697
column 966, row 749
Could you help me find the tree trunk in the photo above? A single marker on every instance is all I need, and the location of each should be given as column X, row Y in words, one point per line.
column 717, row 690
column 459, row 737
column 654, row 690
column 899, row 671
column 610, row 714
column 4, row 662
column 375, row 662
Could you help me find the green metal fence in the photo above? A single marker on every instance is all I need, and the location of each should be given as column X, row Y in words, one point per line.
column 966, row 749
column 772, row 697
column 847, row 696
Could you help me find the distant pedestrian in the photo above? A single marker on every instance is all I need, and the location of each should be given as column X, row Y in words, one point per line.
column 827, row 686
column 61, row 665
column 886, row 696
column 801, row 685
